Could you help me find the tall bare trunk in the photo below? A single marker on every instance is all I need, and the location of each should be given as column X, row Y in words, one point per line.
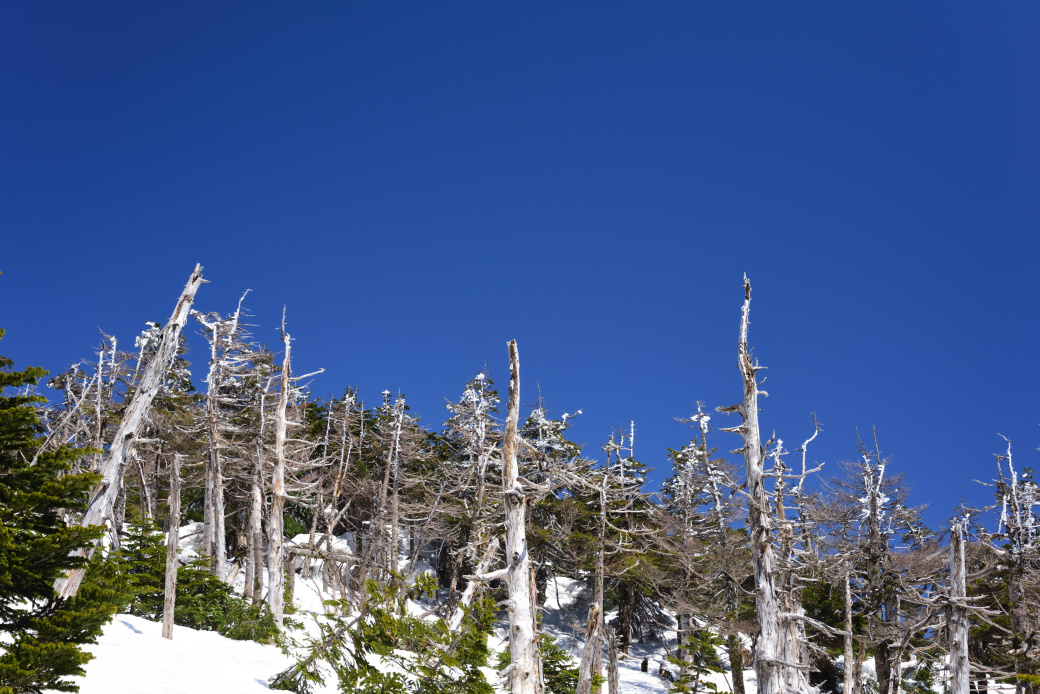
column 254, row 586
column 276, row 527
column 172, row 544
column 523, row 648
column 850, row 661
column 102, row 503
column 772, row 670
column 597, row 653
column 395, row 503
column 960, row 672
column 213, row 520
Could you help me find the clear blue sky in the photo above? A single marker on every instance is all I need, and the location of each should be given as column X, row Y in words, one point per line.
column 420, row 182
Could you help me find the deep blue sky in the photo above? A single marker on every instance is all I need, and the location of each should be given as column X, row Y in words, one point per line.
column 420, row 182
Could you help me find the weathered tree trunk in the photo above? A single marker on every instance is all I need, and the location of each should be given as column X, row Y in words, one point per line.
column 256, row 515
column 172, row 544
column 592, row 645
column 395, row 502
column 850, row 661
column 597, row 654
column 523, row 648
column 276, row 526
column 146, row 497
column 883, row 660
column 471, row 590
column 960, row 672
column 213, row 520
column 1020, row 628
column 102, row 503
column 119, row 514
column 684, row 628
column 612, row 664
column 770, row 667
column 857, row 674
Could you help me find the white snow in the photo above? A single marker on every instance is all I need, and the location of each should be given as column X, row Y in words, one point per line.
column 132, row 657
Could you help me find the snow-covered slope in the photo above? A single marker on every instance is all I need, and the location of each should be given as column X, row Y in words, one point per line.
column 132, row 657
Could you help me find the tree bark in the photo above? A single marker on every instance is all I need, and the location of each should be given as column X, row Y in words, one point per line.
column 612, row 664
column 523, row 648
column 213, row 520
column 850, row 661
column 172, row 544
column 592, row 644
column 100, row 508
column 857, row 674
column 735, row 651
column 776, row 675
column 960, row 671
column 276, row 525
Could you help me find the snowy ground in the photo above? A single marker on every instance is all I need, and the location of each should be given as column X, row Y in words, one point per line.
column 132, row 657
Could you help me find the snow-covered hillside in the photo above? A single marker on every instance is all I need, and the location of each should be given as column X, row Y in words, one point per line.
column 132, row 657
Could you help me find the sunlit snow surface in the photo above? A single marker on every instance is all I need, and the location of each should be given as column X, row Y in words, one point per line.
column 131, row 657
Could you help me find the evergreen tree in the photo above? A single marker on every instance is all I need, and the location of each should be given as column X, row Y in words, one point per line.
column 41, row 633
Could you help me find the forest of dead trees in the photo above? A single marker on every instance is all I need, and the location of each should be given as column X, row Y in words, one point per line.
column 758, row 562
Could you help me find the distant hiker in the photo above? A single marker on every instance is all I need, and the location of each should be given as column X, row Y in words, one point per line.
column 645, row 665
column 664, row 674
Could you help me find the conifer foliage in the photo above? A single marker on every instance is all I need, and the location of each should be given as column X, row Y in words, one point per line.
column 41, row 633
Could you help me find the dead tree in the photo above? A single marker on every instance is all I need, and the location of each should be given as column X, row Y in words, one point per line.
column 103, row 501
column 229, row 362
column 276, row 525
column 1019, row 526
column 776, row 674
column 172, row 545
column 957, row 619
column 524, row 669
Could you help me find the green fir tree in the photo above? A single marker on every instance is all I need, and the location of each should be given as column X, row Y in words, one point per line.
column 41, row 634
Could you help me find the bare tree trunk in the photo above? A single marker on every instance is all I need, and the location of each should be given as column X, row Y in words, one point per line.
column 612, row 663
column 592, row 644
column 214, row 502
column 883, row 659
column 1020, row 628
column 523, row 648
column 471, row 590
column 276, row 528
column 146, row 498
column 100, row 508
column 769, row 666
column 850, row 661
column 172, row 544
column 395, row 502
column 255, row 588
column 858, row 673
column 960, row 673
column 597, row 654
column 119, row 514
column 683, row 630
